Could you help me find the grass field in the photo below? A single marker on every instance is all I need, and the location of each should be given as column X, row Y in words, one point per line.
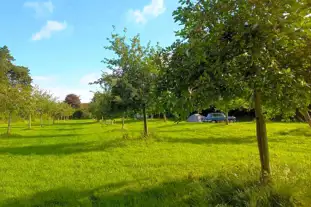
column 81, row 163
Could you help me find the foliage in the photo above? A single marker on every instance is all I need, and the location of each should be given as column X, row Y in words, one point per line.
column 73, row 100
column 133, row 77
column 252, row 44
column 100, row 106
column 14, row 86
column 248, row 48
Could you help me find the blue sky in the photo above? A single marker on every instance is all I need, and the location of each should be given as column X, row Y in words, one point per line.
column 61, row 41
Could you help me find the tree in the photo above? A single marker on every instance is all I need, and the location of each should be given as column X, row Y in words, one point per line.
column 133, row 74
column 73, row 100
column 100, row 106
column 253, row 48
column 43, row 101
column 15, row 85
column 30, row 106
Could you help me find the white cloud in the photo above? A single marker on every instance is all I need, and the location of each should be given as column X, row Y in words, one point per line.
column 154, row 9
column 47, row 30
column 41, row 8
column 89, row 78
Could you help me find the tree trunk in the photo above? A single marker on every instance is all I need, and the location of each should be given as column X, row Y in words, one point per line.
column 123, row 121
column 300, row 116
column 262, row 139
column 9, row 123
column 164, row 117
column 29, row 122
column 307, row 117
column 53, row 121
column 41, row 122
column 227, row 119
column 145, row 121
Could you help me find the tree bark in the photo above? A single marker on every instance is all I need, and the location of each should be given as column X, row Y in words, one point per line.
column 227, row 119
column 300, row 116
column 164, row 117
column 262, row 139
column 307, row 117
column 41, row 122
column 9, row 123
column 29, row 122
column 145, row 121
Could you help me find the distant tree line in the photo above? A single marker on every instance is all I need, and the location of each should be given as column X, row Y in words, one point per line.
column 20, row 98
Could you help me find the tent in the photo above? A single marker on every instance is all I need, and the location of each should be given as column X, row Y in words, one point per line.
column 195, row 118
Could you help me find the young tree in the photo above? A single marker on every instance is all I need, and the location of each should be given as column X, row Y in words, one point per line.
column 133, row 73
column 14, row 98
column 29, row 107
column 260, row 46
column 100, row 106
column 43, row 100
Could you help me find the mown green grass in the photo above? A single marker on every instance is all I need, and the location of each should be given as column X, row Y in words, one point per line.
column 83, row 163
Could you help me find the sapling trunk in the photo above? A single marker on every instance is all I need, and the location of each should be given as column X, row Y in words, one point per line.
column 145, row 121
column 262, row 139
column 41, row 121
column 300, row 116
column 29, row 122
column 307, row 117
column 123, row 121
column 227, row 118
column 9, row 123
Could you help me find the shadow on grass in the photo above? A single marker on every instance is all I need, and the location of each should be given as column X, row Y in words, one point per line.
column 219, row 191
column 63, row 149
column 76, row 123
column 65, row 129
column 211, row 140
column 296, row 132
column 43, row 136
column 170, row 124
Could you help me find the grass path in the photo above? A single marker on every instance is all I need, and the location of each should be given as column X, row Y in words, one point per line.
column 81, row 163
